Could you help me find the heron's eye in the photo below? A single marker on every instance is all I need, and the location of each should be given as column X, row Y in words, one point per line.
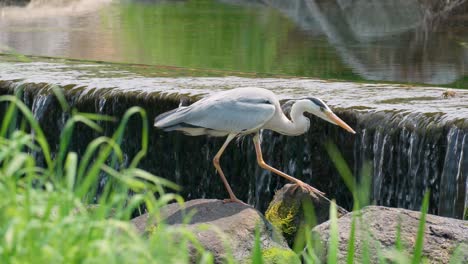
column 322, row 109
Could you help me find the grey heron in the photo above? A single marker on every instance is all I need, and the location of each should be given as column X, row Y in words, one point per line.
column 243, row 111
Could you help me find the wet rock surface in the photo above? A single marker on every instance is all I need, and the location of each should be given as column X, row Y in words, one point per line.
column 288, row 208
column 219, row 225
column 444, row 238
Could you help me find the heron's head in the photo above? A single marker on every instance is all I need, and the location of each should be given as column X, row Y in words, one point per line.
column 317, row 107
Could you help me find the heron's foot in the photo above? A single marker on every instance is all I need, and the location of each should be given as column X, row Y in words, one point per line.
column 234, row 200
column 308, row 188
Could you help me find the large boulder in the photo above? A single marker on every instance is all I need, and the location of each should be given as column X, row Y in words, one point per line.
column 218, row 225
column 444, row 238
column 287, row 211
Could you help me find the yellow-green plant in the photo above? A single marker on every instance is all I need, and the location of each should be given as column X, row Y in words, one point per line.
column 45, row 211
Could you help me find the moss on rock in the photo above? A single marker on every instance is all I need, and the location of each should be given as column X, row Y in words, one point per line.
column 275, row 255
column 284, row 217
column 287, row 212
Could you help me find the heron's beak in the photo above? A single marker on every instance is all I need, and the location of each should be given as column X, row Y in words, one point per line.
column 337, row 121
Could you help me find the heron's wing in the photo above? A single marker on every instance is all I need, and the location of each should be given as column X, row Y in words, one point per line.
column 171, row 118
column 221, row 114
column 242, row 114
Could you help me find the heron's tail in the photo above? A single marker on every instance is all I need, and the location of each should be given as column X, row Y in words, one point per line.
column 170, row 118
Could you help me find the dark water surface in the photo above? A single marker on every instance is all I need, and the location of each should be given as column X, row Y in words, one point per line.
column 380, row 40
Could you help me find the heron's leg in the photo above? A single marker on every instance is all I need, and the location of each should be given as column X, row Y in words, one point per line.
column 232, row 196
column 261, row 162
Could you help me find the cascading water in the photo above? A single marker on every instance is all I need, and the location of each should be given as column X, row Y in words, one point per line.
column 408, row 152
column 411, row 153
column 453, row 197
column 414, row 138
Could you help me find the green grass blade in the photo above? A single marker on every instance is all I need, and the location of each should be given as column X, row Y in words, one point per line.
column 15, row 164
column 92, row 174
column 144, row 133
column 154, row 179
column 130, row 182
column 58, row 92
column 257, row 250
column 351, row 240
column 97, row 117
column 111, row 149
column 310, row 220
column 37, row 211
column 419, row 245
column 333, row 236
column 343, row 170
column 91, row 150
column 366, row 255
column 459, row 254
column 364, row 186
column 8, row 119
column 70, row 170
column 66, row 136
column 341, row 165
column 40, row 137
column 398, row 239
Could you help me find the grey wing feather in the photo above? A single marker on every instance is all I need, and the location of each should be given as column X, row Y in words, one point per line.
column 170, row 118
column 224, row 114
column 233, row 116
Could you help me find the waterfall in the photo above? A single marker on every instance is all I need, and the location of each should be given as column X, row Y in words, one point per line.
column 414, row 152
column 409, row 152
column 454, row 182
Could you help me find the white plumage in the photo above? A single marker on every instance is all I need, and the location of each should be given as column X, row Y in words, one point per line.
column 241, row 111
column 245, row 111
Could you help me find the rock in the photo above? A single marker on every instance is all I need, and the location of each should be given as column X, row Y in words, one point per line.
column 237, row 224
column 279, row 256
column 286, row 210
column 379, row 225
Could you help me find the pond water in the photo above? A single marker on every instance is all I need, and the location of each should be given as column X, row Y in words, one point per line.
column 379, row 40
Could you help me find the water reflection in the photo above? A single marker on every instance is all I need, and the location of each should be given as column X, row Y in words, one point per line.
column 385, row 40
column 389, row 40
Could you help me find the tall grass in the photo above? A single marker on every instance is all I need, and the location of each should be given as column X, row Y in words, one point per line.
column 46, row 215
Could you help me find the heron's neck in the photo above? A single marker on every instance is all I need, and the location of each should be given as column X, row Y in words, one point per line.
column 298, row 124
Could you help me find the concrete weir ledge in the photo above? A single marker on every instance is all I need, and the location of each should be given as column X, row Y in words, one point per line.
column 414, row 137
